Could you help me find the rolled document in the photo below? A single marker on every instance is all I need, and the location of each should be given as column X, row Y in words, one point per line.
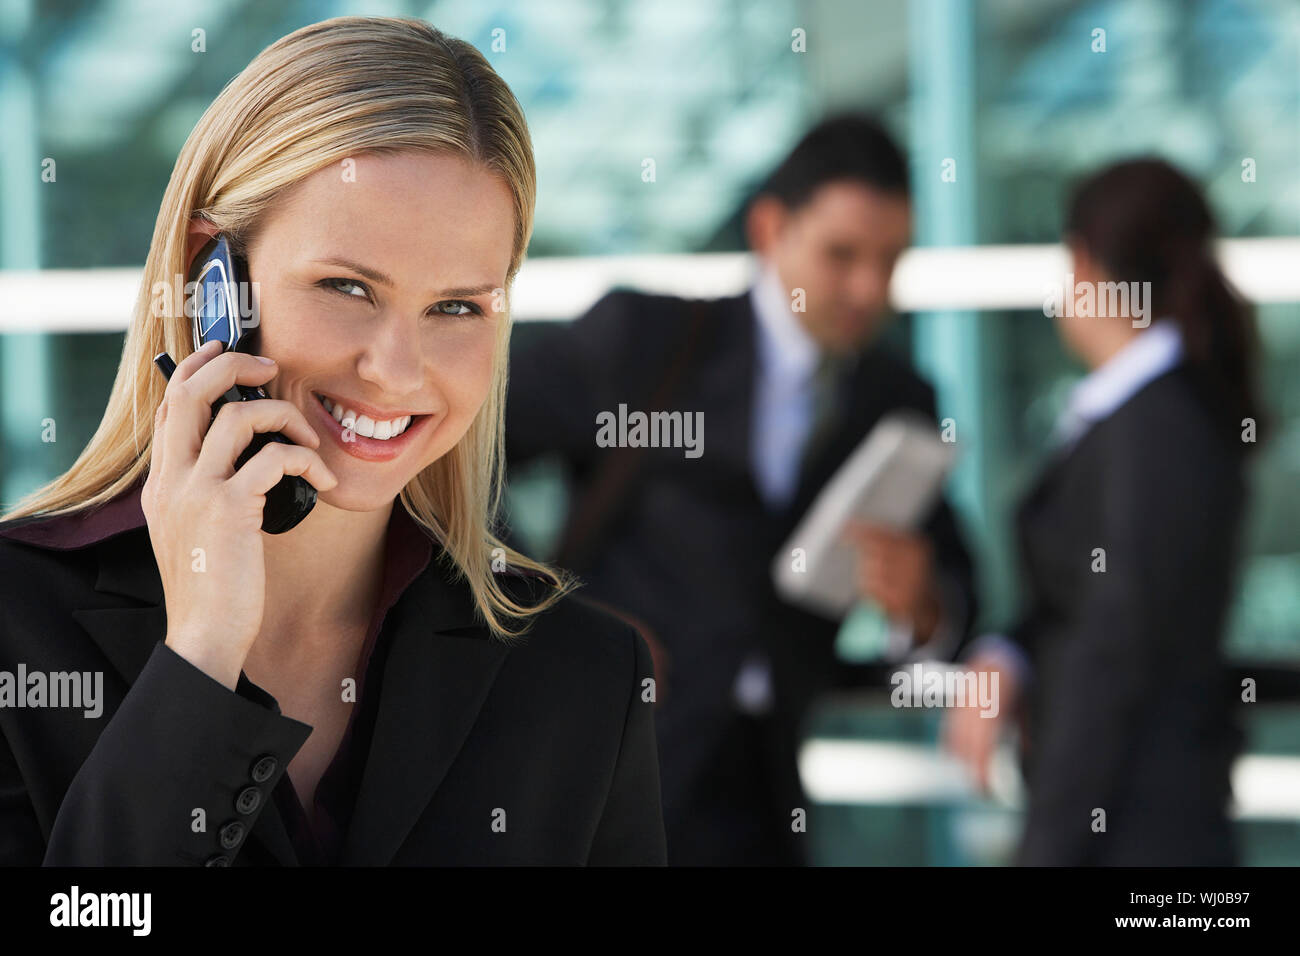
column 892, row 478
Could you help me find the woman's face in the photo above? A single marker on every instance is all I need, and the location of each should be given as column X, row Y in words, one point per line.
column 1090, row 338
column 376, row 284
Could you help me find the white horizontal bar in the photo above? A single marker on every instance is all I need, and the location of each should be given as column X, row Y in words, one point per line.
column 67, row 300
column 885, row 773
column 967, row 277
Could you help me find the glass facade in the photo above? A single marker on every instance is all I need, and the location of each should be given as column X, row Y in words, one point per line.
column 651, row 123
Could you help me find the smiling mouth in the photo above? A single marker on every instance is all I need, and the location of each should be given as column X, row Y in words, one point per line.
column 363, row 425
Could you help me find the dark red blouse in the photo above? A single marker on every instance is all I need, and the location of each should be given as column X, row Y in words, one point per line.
column 318, row 836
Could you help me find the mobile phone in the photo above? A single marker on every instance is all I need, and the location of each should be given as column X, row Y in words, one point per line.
column 222, row 308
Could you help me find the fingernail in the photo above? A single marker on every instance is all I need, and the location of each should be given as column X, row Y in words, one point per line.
column 263, row 358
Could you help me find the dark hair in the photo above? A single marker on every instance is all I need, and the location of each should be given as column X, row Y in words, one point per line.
column 844, row 146
column 1143, row 220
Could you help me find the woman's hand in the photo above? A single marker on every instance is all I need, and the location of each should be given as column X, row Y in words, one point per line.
column 973, row 737
column 205, row 518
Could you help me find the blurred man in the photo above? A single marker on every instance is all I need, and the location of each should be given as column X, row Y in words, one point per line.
column 789, row 378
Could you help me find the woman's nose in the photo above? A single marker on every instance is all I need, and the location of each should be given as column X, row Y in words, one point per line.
column 393, row 358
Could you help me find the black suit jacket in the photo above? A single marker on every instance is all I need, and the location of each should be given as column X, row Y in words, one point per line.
column 690, row 551
column 552, row 737
column 1130, row 709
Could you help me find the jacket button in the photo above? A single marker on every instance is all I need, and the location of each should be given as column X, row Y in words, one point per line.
column 249, row 799
column 263, row 768
column 217, row 860
column 231, row 834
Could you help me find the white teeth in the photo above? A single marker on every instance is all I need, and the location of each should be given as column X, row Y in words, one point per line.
column 363, row 426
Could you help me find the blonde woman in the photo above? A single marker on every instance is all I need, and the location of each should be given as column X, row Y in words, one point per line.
column 387, row 683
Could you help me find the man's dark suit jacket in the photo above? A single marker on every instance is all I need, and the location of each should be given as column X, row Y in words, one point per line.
column 1129, row 711
column 691, row 552
column 479, row 753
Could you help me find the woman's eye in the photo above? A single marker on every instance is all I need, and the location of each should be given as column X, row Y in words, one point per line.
column 355, row 289
column 466, row 308
column 340, row 285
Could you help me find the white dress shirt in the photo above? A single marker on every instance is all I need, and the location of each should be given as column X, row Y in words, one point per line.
column 786, row 360
column 1155, row 351
column 1101, row 393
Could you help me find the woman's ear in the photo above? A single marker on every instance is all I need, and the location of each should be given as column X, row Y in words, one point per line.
column 201, row 230
column 1082, row 264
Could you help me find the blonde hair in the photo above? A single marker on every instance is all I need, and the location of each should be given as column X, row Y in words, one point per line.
column 313, row 98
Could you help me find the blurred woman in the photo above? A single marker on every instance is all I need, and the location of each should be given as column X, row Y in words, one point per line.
column 1129, row 544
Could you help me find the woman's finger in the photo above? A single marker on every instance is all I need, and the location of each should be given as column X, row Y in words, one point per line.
column 264, row 470
column 236, row 425
column 181, row 413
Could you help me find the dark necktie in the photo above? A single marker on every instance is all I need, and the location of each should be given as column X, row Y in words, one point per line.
column 828, row 404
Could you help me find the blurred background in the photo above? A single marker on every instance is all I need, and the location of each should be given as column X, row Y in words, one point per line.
column 97, row 96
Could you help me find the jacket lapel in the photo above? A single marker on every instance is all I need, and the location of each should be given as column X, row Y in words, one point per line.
column 440, row 667
column 126, row 635
column 1055, row 464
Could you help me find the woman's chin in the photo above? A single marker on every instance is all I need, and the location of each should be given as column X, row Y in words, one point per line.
column 358, row 495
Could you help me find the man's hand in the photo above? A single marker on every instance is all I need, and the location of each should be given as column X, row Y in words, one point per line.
column 896, row 570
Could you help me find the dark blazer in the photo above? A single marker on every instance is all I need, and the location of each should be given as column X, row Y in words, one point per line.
column 552, row 737
column 691, row 549
column 1130, row 709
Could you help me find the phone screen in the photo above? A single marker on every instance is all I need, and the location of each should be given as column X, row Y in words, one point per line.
column 213, row 309
column 215, row 305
